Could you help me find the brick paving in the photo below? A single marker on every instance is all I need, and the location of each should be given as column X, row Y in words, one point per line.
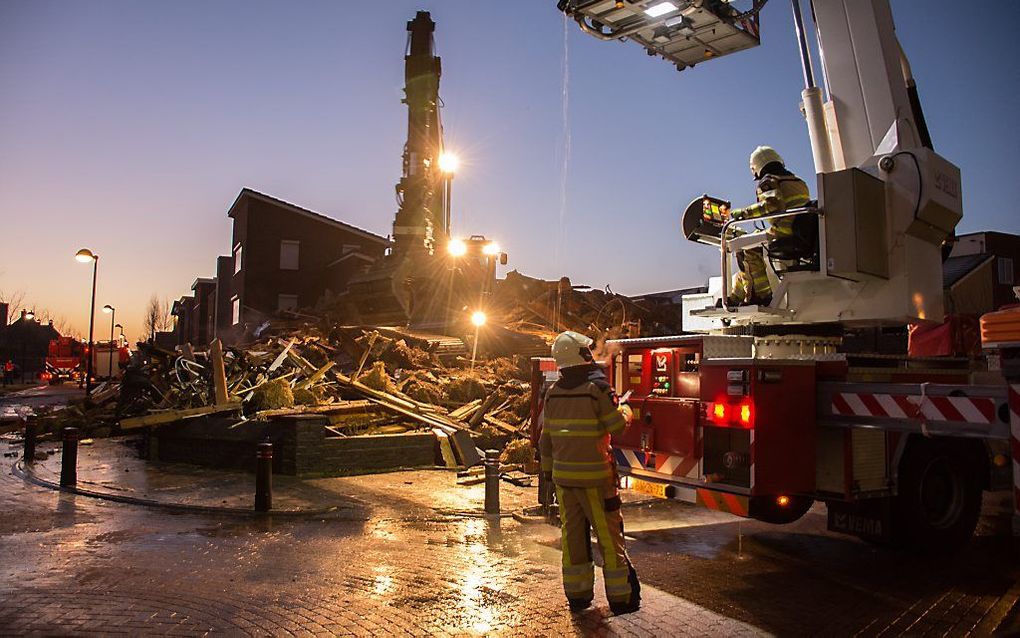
column 409, row 563
column 411, row 556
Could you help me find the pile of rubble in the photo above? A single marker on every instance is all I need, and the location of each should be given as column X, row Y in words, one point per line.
column 365, row 381
column 546, row 308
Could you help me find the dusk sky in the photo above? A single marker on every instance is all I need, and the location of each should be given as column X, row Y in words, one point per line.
column 130, row 127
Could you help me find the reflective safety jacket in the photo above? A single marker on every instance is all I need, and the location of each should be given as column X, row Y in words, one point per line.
column 776, row 193
column 580, row 414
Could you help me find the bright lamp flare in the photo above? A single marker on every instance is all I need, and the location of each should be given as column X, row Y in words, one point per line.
column 478, row 318
column 85, row 256
column 456, row 248
column 491, row 248
column 107, row 309
column 448, row 162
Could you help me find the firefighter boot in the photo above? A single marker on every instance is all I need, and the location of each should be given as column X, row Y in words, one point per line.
column 632, row 605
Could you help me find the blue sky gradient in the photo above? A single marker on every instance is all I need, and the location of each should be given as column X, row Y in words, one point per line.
column 130, row 127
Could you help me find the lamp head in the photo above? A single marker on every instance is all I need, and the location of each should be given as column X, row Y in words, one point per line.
column 108, row 308
column 85, row 256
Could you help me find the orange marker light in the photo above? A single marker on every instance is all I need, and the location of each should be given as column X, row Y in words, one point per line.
column 782, row 501
column 745, row 414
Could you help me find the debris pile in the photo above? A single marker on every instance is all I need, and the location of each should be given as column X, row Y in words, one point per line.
column 546, row 308
column 364, row 380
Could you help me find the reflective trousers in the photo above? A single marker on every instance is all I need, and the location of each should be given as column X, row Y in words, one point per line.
column 598, row 508
column 751, row 283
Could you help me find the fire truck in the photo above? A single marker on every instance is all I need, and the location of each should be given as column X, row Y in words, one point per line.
column 64, row 360
column 759, row 412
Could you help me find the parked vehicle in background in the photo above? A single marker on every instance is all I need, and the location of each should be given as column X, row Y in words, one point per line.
column 64, row 360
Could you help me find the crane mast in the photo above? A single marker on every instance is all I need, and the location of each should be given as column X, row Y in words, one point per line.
column 421, row 221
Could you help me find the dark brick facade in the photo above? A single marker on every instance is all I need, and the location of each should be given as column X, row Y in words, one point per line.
column 300, row 447
column 329, row 253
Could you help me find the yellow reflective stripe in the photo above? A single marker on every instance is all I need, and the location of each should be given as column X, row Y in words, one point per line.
column 572, row 422
column 574, row 433
column 565, row 549
column 579, row 578
column 602, row 529
column 581, row 464
column 584, row 569
column 600, row 474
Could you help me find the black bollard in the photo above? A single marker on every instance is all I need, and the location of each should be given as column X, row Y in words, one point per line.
column 492, row 482
column 31, row 434
column 264, row 478
column 69, row 458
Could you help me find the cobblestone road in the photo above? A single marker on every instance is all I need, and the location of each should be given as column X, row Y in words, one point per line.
column 394, row 565
column 407, row 556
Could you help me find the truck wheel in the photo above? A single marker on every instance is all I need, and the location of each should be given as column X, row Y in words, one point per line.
column 939, row 496
column 768, row 509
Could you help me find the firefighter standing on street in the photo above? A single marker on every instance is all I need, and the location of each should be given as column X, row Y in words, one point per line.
column 580, row 414
column 778, row 190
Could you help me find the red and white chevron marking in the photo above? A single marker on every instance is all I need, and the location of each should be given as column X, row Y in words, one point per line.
column 901, row 406
column 669, row 464
column 1014, row 444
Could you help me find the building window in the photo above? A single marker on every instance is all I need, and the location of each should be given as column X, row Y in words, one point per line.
column 237, row 259
column 286, row 302
column 1006, row 270
column 235, row 310
column 289, row 253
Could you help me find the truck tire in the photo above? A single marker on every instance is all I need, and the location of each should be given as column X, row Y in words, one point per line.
column 766, row 509
column 939, row 497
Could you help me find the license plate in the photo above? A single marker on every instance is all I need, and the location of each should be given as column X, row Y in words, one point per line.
column 657, row 490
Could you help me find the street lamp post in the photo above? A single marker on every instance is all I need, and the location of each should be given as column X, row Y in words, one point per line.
column 85, row 256
column 123, row 339
column 29, row 315
column 478, row 319
column 113, row 315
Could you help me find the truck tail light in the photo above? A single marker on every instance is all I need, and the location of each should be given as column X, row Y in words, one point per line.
column 721, row 413
column 746, row 415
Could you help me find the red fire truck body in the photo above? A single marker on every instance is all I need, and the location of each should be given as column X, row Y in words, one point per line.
column 717, row 426
column 64, row 360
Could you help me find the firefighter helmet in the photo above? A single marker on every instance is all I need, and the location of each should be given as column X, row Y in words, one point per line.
column 571, row 349
column 762, row 157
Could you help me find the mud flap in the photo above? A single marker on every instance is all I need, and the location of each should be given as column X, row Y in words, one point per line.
column 870, row 518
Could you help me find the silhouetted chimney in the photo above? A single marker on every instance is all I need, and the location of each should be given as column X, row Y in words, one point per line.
column 3, row 315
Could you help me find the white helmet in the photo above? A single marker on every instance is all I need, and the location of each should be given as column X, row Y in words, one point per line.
column 762, row 157
column 571, row 349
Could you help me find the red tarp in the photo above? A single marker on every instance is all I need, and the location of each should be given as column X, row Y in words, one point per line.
column 959, row 336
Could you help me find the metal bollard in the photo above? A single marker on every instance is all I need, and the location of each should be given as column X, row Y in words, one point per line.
column 492, row 482
column 69, row 458
column 264, row 478
column 31, row 434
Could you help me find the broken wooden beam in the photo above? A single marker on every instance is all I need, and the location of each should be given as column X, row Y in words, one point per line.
column 158, row 418
column 219, row 372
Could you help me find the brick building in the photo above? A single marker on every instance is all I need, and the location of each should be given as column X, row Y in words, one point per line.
column 981, row 271
column 283, row 257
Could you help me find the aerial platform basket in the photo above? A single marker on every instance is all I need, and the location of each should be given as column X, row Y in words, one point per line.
column 683, row 32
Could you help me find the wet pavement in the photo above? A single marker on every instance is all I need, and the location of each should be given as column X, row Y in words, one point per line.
column 23, row 403
column 410, row 553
